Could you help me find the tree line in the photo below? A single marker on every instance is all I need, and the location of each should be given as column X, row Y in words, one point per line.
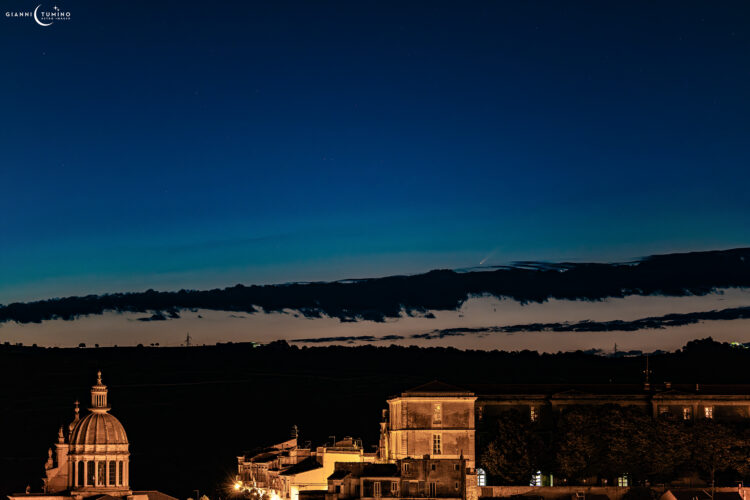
column 588, row 445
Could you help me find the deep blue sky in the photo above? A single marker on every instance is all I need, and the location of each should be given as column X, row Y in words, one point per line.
column 184, row 144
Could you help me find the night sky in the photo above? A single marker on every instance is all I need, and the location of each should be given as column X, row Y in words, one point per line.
column 201, row 144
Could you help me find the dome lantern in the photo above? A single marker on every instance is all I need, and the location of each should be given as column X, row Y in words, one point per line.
column 99, row 395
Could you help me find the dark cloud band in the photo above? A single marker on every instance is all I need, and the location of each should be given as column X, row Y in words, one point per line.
column 377, row 299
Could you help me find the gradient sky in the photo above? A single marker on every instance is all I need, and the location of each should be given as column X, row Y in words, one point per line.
column 185, row 144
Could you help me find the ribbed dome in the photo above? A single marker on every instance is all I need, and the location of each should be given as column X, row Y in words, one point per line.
column 98, row 428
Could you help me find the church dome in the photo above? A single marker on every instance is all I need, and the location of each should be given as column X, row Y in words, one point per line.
column 98, row 428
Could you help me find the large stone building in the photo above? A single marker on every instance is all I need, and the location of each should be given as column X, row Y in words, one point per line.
column 684, row 401
column 437, row 420
column 92, row 459
column 434, row 419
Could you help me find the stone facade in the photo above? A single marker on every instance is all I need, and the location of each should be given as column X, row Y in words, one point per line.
column 433, row 420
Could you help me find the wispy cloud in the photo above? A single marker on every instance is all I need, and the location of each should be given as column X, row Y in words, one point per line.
column 650, row 323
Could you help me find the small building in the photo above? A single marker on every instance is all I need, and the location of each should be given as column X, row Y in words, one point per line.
column 406, row 478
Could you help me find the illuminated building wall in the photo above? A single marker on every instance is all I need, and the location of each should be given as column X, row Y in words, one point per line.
column 434, row 420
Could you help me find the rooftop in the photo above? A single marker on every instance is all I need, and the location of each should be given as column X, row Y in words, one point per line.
column 308, row 464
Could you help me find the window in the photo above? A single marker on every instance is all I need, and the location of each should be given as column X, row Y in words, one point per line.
column 456, row 467
column 433, row 489
column 406, row 467
column 112, row 472
column 437, row 447
column 338, row 488
column 81, row 467
column 534, row 413
column 433, row 466
column 481, row 477
column 376, row 489
column 536, row 479
column 456, row 485
column 90, row 473
column 437, row 413
column 394, row 488
column 687, row 413
column 708, row 411
column 622, row 481
column 120, row 476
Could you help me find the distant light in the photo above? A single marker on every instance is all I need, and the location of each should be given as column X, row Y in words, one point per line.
column 237, row 485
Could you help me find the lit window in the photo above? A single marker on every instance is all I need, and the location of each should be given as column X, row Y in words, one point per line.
column 708, row 411
column 437, row 413
column 481, row 477
column 536, row 479
column 623, row 482
column 437, row 448
column 534, row 413
column 687, row 413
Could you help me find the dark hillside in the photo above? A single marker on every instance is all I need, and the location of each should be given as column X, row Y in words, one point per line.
column 189, row 411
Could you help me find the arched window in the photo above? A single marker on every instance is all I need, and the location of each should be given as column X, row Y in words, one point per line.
column 81, row 466
column 481, row 477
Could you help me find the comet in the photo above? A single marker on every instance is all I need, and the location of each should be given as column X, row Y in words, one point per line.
column 481, row 262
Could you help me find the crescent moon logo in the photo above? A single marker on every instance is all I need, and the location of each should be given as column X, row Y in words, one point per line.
column 37, row 19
